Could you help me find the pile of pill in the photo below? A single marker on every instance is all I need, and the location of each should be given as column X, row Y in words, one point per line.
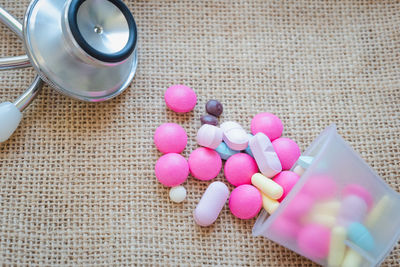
column 325, row 220
column 328, row 220
column 257, row 164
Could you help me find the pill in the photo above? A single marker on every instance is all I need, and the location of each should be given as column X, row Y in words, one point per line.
column 239, row 169
column 267, row 186
column 172, row 169
column 204, row 163
column 376, row 213
column 330, row 207
column 265, row 156
column 299, row 170
column 321, row 219
column 170, row 138
column 234, row 135
column 245, row 201
column 300, row 205
column 337, row 246
column 209, row 119
column 353, row 209
column 287, row 150
column 270, row 205
column 305, row 161
column 358, row 190
column 352, row 259
column 248, row 150
column 225, row 152
column 360, row 236
column 177, row 194
column 268, row 124
column 313, row 241
column 209, row 136
column 214, row 107
column 180, row 98
column 287, row 180
column 285, row 229
column 321, row 186
column 211, row 204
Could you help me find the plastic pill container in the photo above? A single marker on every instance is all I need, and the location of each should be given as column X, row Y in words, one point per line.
column 337, row 175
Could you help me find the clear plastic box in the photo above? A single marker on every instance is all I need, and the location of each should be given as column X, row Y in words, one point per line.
column 334, row 158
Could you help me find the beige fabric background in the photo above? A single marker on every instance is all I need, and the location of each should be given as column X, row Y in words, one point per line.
column 77, row 185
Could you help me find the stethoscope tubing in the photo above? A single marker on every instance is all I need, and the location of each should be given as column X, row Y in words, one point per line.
column 7, row 63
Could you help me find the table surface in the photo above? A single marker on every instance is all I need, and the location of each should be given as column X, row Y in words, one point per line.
column 77, row 185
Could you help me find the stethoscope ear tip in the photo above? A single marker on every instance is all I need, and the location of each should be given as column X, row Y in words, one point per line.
column 10, row 117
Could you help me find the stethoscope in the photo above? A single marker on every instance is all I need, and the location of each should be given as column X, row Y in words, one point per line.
column 85, row 49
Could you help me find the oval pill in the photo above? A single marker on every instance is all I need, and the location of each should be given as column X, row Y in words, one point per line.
column 234, row 135
column 211, row 204
column 209, row 136
column 265, row 155
column 267, row 186
column 270, row 205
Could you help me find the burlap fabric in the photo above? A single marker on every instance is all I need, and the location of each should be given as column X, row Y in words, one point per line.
column 77, row 185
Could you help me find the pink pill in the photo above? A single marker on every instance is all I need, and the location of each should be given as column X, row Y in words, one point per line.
column 267, row 123
column 298, row 206
column 320, row 187
column 172, row 169
column 287, row 150
column 245, row 201
column 170, row 138
column 313, row 241
column 287, row 180
column 360, row 191
column 204, row 163
column 180, row 98
column 239, row 169
column 211, row 204
column 285, row 229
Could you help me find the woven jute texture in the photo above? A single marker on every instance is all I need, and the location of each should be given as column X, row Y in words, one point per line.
column 77, row 184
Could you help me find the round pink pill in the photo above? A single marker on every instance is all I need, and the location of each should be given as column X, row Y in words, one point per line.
column 204, row 163
column 239, row 169
column 360, row 191
column 180, row 98
column 245, row 201
column 287, row 180
column 267, row 123
column 313, row 241
column 172, row 169
column 298, row 206
column 285, row 229
column 320, row 187
column 170, row 138
column 288, row 152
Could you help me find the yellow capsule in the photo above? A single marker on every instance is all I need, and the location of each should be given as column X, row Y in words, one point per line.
column 376, row 213
column 352, row 259
column 269, row 204
column 331, row 207
column 322, row 219
column 337, row 247
column 267, row 186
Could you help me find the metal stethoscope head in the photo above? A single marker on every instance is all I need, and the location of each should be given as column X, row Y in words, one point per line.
column 85, row 49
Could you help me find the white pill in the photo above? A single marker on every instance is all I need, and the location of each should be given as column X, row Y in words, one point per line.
column 209, row 136
column 234, row 136
column 177, row 194
column 299, row 170
column 211, row 204
column 305, row 161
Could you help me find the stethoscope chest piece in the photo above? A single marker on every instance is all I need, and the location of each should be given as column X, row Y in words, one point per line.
column 85, row 49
